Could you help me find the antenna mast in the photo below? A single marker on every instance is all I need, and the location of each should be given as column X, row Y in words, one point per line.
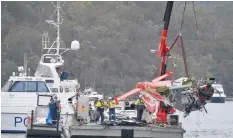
column 25, row 64
column 74, row 45
column 58, row 26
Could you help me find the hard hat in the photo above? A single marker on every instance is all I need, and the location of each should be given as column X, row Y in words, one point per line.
column 140, row 96
column 110, row 98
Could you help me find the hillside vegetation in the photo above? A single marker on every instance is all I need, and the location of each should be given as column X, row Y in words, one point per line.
column 116, row 39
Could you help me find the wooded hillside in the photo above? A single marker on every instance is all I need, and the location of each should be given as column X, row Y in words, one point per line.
column 116, row 39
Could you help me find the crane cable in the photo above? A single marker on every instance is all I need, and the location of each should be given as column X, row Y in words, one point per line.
column 179, row 37
column 198, row 45
column 198, row 36
column 181, row 26
column 182, row 21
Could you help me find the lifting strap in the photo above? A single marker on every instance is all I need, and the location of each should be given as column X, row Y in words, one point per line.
column 202, row 65
column 198, row 41
column 179, row 37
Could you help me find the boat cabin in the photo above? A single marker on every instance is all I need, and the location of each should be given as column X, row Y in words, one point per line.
column 25, row 84
column 93, row 95
column 219, row 91
column 218, row 87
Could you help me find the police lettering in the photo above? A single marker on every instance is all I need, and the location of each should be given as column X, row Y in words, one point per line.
column 19, row 120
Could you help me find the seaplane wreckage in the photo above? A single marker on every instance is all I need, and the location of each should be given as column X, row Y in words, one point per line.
column 162, row 95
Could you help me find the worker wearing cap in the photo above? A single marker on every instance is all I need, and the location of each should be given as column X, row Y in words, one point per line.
column 140, row 107
column 111, row 106
column 100, row 109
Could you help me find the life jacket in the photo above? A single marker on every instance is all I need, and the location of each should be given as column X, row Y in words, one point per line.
column 100, row 104
column 139, row 102
column 111, row 104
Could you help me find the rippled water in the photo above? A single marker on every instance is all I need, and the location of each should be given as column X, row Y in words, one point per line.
column 218, row 123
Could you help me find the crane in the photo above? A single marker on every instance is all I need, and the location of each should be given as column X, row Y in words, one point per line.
column 163, row 95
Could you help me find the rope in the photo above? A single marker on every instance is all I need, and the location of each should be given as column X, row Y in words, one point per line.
column 174, row 42
column 195, row 16
column 197, row 123
column 181, row 26
column 179, row 36
column 198, row 40
column 182, row 21
column 198, row 119
column 202, row 65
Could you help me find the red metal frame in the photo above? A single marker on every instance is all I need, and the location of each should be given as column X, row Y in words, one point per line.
column 149, row 88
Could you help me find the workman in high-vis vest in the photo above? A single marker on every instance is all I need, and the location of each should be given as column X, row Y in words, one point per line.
column 100, row 110
column 111, row 106
column 140, row 107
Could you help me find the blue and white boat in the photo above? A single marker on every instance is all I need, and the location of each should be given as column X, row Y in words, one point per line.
column 219, row 95
column 19, row 94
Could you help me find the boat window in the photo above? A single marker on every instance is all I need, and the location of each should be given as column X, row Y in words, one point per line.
column 42, row 87
column 18, row 87
column 31, row 86
column 51, row 58
column 43, row 71
column 54, row 89
column 218, row 87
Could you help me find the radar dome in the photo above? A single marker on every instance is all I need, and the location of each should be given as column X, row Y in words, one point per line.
column 75, row 45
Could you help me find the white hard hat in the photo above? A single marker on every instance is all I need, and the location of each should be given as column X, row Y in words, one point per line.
column 109, row 98
column 140, row 96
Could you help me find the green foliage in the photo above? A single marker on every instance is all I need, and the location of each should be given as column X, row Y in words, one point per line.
column 116, row 39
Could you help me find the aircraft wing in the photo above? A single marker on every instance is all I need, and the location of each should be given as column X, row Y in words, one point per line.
column 152, row 95
column 125, row 95
column 168, row 74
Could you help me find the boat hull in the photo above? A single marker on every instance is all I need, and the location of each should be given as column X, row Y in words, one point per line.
column 13, row 122
column 16, row 122
column 17, row 106
column 218, row 99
